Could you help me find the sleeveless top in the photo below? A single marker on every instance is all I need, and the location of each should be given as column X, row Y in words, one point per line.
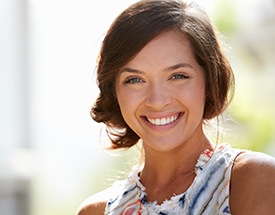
column 208, row 194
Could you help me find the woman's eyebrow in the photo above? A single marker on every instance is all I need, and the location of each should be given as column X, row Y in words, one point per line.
column 127, row 69
column 177, row 66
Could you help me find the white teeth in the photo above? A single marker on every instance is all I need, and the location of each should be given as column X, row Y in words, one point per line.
column 162, row 121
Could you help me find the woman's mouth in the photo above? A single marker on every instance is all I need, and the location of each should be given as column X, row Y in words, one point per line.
column 161, row 121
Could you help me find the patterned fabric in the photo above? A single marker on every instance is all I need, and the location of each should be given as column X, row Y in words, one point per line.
column 208, row 194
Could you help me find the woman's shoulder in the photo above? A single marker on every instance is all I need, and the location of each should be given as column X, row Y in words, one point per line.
column 253, row 184
column 249, row 162
column 94, row 204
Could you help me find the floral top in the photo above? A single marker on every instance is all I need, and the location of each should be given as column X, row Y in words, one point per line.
column 208, row 194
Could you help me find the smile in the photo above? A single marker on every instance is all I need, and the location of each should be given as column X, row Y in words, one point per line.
column 163, row 120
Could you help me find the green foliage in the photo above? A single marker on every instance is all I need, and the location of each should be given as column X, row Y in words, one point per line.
column 225, row 16
column 253, row 106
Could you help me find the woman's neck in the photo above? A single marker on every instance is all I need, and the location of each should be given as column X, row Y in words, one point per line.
column 168, row 173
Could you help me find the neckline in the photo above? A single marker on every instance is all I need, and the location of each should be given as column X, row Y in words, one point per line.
column 202, row 161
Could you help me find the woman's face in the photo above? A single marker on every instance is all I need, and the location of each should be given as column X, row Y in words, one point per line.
column 161, row 93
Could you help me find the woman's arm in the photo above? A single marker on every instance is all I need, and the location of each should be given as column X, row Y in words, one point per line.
column 253, row 185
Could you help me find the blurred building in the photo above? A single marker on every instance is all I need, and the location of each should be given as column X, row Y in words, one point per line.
column 14, row 122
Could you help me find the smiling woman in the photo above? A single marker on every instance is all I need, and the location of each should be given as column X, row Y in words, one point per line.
column 162, row 74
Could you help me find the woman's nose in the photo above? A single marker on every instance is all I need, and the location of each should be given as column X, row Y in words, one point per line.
column 158, row 96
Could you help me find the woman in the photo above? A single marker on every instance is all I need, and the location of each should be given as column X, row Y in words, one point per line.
column 162, row 74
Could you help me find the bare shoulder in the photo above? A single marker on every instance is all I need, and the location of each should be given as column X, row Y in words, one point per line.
column 253, row 184
column 95, row 204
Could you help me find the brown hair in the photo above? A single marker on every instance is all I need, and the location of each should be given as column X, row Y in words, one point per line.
column 131, row 31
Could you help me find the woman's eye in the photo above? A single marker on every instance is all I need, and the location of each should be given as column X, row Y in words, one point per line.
column 179, row 76
column 133, row 80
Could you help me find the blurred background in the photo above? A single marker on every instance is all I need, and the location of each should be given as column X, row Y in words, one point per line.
column 51, row 155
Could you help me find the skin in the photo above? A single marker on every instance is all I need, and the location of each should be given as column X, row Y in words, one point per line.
column 253, row 185
column 161, row 93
